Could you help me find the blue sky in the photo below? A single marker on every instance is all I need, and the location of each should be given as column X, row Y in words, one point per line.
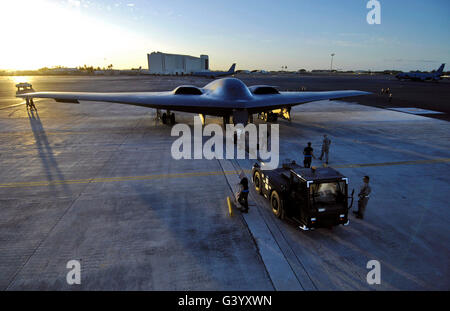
column 255, row 34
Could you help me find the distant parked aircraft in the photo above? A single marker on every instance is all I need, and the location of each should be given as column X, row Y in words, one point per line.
column 422, row 76
column 259, row 71
column 215, row 74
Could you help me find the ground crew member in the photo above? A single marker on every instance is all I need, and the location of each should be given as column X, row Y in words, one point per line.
column 363, row 198
column 242, row 196
column 308, row 153
column 390, row 97
column 32, row 106
column 27, row 101
column 325, row 148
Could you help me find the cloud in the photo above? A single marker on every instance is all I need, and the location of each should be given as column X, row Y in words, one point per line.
column 74, row 3
column 351, row 34
column 346, row 43
column 426, row 61
column 400, row 60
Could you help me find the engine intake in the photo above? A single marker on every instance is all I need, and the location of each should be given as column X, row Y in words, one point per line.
column 263, row 90
column 187, row 90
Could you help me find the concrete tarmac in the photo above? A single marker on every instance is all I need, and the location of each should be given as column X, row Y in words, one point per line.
column 96, row 182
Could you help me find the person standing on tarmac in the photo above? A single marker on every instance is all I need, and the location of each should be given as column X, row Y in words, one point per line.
column 32, row 106
column 242, row 196
column 363, row 195
column 27, row 102
column 308, row 152
column 325, row 148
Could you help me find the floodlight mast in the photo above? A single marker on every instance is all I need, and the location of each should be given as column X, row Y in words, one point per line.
column 331, row 67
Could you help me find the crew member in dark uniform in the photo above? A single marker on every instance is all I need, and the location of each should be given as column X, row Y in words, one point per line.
column 243, row 194
column 27, row 101
column 363, row 195
column 32, row 106
column 308, row 153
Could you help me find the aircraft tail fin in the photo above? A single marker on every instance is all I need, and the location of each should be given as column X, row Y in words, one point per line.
column 441, row 69
column 232, row 68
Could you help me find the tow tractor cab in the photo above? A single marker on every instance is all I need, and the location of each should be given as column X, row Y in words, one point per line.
column 312, row 197
column 23, row 88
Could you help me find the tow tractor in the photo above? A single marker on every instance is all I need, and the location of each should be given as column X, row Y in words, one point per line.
column 311, row 197
column 23, row 88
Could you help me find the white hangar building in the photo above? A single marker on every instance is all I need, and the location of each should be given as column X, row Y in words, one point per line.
column 175, row 64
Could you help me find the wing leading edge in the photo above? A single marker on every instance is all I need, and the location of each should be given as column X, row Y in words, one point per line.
column 289, row 99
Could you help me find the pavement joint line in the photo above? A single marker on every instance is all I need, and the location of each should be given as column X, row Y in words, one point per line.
column 273, row 227
column 245, row 222
column 113, row 179
column 70, row 132
column 42, row 241
column 194, row 174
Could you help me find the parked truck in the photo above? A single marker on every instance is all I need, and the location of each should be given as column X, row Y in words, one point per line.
column 312, row 197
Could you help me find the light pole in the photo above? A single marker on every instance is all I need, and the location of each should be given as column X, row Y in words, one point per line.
column 331, row 67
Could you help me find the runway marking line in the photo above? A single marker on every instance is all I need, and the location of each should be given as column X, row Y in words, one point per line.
column 19, row 104
column 444, row 160
column 193, row 174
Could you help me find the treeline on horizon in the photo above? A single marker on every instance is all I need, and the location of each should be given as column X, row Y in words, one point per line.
column 61, row 70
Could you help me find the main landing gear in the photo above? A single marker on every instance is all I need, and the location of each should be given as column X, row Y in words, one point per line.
column 166, row 118
column 268, row 116
column 272, row 116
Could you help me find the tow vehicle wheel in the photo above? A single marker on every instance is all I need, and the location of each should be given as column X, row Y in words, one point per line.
column 172, row 118
column 277, row 205
column 164, row 118
column 258, row 182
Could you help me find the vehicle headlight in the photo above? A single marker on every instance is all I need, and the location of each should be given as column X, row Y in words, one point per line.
column 342, row 215
column 321, row 209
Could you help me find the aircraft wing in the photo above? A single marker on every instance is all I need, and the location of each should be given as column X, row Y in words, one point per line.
column 199, row 103
column 289, row 99
column 157, row 100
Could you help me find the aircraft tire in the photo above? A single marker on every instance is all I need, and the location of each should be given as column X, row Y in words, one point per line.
column 257, row 182
column 276, row 204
